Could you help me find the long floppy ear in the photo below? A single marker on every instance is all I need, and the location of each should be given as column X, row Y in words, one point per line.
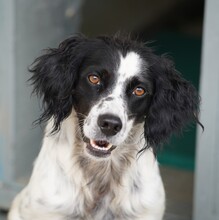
column 174, row 104
column 54, row 77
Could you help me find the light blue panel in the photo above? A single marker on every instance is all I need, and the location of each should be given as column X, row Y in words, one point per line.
column 6, row 86
column 206, row 205
column 39, row 24
column 26, row 27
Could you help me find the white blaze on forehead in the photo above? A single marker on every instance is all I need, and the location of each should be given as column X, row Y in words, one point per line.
column 129, row 65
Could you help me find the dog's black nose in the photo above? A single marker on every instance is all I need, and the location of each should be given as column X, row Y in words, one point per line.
column 109, row 124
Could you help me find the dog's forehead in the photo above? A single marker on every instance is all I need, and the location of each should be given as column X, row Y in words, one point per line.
column 130, row 65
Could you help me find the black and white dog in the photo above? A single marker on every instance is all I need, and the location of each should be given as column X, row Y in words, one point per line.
column 109, row 103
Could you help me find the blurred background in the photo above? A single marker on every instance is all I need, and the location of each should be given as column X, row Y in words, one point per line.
column 185, row 29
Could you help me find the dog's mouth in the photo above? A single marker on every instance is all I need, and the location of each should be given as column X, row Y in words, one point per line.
column 100, row 148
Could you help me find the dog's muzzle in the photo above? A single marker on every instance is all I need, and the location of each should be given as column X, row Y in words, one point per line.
column 109, row 125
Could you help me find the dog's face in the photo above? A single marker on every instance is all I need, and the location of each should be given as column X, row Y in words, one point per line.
column 114, row 85
column 111, row 99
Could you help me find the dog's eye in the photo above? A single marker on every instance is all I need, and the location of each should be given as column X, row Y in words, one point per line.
column 138, row 91
column 94, row 79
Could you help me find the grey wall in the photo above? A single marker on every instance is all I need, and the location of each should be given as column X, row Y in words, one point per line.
column 206, row 205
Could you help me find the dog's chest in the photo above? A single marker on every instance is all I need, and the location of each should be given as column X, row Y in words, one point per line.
column 110, row 194
column 112, row 204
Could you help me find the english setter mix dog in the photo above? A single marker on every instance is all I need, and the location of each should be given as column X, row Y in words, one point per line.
column 109, row 102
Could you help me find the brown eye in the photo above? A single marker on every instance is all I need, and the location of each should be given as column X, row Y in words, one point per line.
column 138, row 91
column 94, row 79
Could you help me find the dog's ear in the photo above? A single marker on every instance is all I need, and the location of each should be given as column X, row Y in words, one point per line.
column 175, row 103
column 54, row 77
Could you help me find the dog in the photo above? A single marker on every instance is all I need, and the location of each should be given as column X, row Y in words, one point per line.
column 109, row 103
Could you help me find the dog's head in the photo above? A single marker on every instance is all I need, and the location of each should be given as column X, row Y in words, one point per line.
column 117, row 87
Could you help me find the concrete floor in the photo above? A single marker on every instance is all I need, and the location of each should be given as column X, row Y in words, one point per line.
column 179, row 192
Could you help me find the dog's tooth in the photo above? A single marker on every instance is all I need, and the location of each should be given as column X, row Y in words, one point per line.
column 93, row 144
column 109, row 146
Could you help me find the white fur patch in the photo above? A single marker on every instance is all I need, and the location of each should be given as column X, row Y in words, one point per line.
column 130, row 65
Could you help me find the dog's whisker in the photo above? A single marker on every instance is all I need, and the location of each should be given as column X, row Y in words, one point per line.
column 81, row 114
